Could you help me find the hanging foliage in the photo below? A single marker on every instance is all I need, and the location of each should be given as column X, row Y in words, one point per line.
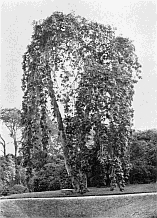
column 80, row 71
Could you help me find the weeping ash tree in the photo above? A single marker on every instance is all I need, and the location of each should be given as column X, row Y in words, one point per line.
column 85, row 75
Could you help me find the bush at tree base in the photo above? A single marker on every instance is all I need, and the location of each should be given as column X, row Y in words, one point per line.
column 50, row 177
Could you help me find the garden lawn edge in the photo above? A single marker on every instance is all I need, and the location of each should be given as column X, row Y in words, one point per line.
column 117, row 206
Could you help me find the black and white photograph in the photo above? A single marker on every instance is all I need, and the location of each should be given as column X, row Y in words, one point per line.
column 78, row 109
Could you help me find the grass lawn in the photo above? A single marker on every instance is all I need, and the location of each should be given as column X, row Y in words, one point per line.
column 129, row 189
column 104, row 204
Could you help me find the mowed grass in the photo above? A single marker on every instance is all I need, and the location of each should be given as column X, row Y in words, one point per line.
column 103, row 204
column 117, row 206
column 129, row 189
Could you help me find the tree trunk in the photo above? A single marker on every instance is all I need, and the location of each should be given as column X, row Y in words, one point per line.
column 16, row 167
column 4, row 146
column 28, row 177
column 79, row 179
column 80, row 182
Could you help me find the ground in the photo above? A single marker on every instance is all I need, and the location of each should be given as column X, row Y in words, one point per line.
column 103, row 203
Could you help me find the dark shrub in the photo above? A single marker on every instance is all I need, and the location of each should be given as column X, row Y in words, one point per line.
column 143, row 157
column 54, row 185
column 65, row 181
column 4, row 191
column 51, row 177
column 16, row 189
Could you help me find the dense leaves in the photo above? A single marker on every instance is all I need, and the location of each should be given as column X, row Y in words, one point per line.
column 52, row 176
column 9, row 177
column 82, row 67
column 7, row 171
column 11, row 118
column 143, row 157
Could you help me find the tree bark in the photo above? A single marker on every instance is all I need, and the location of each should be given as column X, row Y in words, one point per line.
column 4, row 145
column 79, row 179
column 16, row 167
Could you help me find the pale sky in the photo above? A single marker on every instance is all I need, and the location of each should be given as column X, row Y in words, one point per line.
column 134, row 19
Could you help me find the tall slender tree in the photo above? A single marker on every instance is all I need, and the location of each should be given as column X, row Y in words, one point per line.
column 11, row 117
column 82, row 66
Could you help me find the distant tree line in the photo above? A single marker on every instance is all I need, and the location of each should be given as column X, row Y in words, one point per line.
column 143, row 157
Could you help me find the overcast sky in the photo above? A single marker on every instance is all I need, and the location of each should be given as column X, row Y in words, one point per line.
column 134, row 19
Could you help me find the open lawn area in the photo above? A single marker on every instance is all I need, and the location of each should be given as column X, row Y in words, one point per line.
column 112, row 206
column 129, row 189
column 103, row 203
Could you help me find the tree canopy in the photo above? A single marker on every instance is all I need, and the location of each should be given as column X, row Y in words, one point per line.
column 11, row 117
column 143, row 157
column 85, row 75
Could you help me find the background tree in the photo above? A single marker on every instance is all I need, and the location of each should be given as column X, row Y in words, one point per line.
column 143, row 157
column 11, row 117
column 7, row 171
column 8, row 176
column 81, row 65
